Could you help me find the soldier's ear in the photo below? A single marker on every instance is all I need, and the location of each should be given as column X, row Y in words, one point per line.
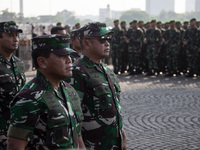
column 42, row 63
column 85, row 44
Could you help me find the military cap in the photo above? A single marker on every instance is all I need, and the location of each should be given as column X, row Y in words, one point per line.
column 186, row 22
column 67, row 26
column 9, row 27
column 141, row 21
column 123, row 21
column 178, row 22
column 74, row 33
column 159, row 22
column 193, row 19
column 56, row 44
column 116, row 20
column 93, row 29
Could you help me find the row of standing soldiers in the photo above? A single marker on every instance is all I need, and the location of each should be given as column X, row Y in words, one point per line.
column 153, row 48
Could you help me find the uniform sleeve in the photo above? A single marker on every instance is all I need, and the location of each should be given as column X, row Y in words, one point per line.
column 24, row 116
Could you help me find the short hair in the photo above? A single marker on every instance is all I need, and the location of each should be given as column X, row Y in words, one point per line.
column 55, row 30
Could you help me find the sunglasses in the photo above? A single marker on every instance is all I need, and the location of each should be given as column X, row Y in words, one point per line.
column 101, row 39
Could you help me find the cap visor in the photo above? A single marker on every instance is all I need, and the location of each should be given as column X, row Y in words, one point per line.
column 14, row 30
column 105, row 31
column 62, row 52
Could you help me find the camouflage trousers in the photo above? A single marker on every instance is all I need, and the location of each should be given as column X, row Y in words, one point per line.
column 172, row 58
column 3, row 133
column 134, row 58
column 192, row 58
column 152, row 55
column 116, row 58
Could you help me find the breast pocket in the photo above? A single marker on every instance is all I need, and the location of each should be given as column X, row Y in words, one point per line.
column 104, row 99
column 58, row 127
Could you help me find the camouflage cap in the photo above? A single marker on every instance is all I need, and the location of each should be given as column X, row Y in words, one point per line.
column 93, row 29
column 9, row 27
column 116, row 20
column 134, row 21
column 153, row 21
column 193, row 19
column 123, row 21
column 57, row 44
column 172, row 21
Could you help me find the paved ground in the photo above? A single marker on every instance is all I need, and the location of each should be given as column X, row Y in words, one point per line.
column 160, row 113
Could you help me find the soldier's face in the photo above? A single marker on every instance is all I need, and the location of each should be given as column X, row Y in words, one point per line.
column 58, row 67
column 97, row 48
column 9, row 42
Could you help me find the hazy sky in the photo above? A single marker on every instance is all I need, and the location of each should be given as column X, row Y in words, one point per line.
column 80, row 7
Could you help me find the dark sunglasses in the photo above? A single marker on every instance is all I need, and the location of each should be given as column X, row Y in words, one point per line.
column 101, row 39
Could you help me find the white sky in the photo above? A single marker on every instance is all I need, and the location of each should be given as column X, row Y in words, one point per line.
column 80, row 7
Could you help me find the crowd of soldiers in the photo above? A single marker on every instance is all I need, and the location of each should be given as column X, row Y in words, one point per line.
column 154, row 48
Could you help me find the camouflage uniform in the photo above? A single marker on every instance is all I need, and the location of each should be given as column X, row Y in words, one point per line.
column 135, row 37
column 192, row 37
column 99, row 91
column 116, row 54
column 124, row 53
column 74, row 56
column 12, row 79
column 154, row 39
column 45, row 116
column 173, row 37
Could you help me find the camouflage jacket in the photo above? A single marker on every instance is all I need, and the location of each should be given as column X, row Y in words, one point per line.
column 12, row 79
column 44, row 116
column 173, row 37
column 153, row 37
column 116, row 36
column 136, row 37
column 99, row 91
column 192, row 36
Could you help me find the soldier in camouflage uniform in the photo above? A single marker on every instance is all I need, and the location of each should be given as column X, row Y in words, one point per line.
column 191, row 40
column 99, row 90
column 172, row 41
column 12, row 77
column 135, row 38
column 124, row 47
column 75, row 45
column 116, row 55
column 153, row 39
column 42, row 113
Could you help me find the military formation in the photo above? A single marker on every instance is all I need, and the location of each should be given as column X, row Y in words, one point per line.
column 64, row 106
column 155, row 48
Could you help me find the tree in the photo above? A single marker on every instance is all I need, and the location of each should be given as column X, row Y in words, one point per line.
column 132, row 15
column 8, row 16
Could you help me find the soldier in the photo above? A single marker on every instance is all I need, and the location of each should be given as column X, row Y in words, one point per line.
column 191, row 40
column 77, row 25
column 182, row 63
column 116, row 58
column 185, row 25
column 124, row 46
column 153, row 39
column 172, row 41
column 76, row 46
column 42, row 113
column 58, row 30
column 12, row 77
column 135, row 37
column 99, row 90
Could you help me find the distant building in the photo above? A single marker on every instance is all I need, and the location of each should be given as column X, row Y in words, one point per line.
column 104, row 13
column 190, row 5
column 197, row 5
column 154, row 7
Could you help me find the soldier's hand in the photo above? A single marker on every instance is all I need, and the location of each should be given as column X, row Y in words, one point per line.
column 127, row 41
column 185, row 42
column 145, row 41
column 166, row 42
column 124, row 146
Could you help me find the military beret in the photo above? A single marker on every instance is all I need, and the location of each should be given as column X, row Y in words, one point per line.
column 153, row 20
column 116, row 20
column 134, row 21
column 193, row 19
column 123, row 21
column 56, row 44
column 93, row 29
column 172, row 21
column 9, row 27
